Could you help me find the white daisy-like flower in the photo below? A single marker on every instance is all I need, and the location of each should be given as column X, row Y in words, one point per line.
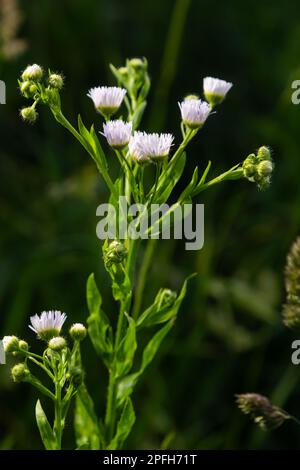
column 48, row 324
column 215, row 89
column 107, row 100
column 144, row 147
column 194, row 112
column 117, row 133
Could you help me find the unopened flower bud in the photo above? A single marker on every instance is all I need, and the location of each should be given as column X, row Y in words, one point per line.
column 265, row 168
column 264, row 153
column 10, row 344
column 23, row 348
column 138, row 64
column 115, row 253
column 191, row 97
column 166, row 298
column 32, row 72
column 261, row 410
column 56, row 81
column 23, row 345
column 20, row 372
column 249, row 167
column 57, row 343
column 123, row 71
column 78, row 332
column 25, row 88
column 29, row 114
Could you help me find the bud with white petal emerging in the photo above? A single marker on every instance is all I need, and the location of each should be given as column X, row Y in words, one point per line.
column 10, row 344
column 32, row 72
column 77, row 332
column 194, row 112
column 20, row 372
column 215, row 90
column 57, row 344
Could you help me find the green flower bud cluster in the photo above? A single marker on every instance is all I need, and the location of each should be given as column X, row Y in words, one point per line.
column 134, row 77
column 115, row 253
column 41, row 87
column 258, row 168
column 14, row 345
column 20, row 372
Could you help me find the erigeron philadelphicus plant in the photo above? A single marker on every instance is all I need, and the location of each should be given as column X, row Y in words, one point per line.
column 116, row 338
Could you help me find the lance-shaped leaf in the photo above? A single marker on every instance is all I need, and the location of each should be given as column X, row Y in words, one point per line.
column 166, row 306
column 124, row 426
column 168, row 181
column 186, row 194
column 127, row 384
column 87, row 430
column 126, row 350
column 99, row 327
column 45, row 429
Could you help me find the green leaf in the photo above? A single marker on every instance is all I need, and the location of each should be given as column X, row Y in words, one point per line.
column 127, row 383
column 99, row 327
column 153, row 345
column 45, row 429
column 124, row 426
column 97, row 148
column 204, row 175
column 87, row 430
column 126, row 350
column 167, row 182
column 159, row 312
column 190, row 187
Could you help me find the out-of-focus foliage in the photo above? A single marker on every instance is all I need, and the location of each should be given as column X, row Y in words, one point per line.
column 229, row 337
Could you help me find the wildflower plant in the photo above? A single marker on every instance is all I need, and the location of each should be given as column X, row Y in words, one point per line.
column 116, row 337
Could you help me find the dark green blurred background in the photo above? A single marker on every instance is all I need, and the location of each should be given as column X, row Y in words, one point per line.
column 229, row 336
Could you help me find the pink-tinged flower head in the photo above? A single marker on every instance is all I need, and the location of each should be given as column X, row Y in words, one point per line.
column 48, row 324
column 117, row 133
column 107, row 100
column 144, row 147
column 194, row 112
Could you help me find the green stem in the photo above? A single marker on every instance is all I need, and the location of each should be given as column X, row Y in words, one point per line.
column 111, row 408
column 228, row 175
column 142, row 277
column 58, row 416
